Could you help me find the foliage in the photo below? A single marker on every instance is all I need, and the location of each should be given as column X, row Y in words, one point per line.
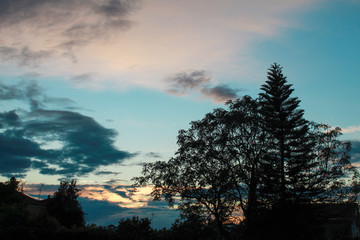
column 134, row 228
column 197, row 174
column 261, row 157
column 290, row 157
column 65, row 207
column 9, row 191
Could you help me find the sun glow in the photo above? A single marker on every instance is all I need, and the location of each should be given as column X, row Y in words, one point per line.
column 123, row 196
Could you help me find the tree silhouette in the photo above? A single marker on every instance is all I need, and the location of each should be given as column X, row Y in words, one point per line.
column 135, row 228
column 247, row 145
column 261, row 156
column 218, row 167
column 292, row 144
column 197, row 174
column 65, row 207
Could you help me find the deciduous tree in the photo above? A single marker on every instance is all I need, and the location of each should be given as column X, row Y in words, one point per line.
column 64, row 206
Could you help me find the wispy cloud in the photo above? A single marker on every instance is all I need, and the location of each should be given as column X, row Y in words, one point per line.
column 153, row 155
column 138, row 43
column 58, row 28
column 351, row 129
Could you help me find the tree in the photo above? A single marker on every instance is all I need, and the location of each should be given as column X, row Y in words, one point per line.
column 332, row 177
column 292, row 144
column 135, row 228
column 218, row 167
column 9, row 191
column 197, row 174
column 306, row 164
column 247, row 145
column 64, row 206
column 261, row 157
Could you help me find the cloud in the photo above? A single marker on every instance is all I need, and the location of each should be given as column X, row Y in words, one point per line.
column 106, row 173
column 56, row 142
column 114, row 181
column 351, row 129
column 59, row 27
column 355, row 151
column 86, row 144
column 153, row 155
column 105, row 205
column 180, row 83
column 9, row 119
column 201, row 82
column 220, row 93
column 16, row 154
column 131, row 43
column 24, row 56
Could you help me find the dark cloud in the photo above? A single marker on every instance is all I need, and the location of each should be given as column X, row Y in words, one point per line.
column 83, row 77
column 16, row 153
column 181, row 83
column 106, row 173
column 135, row 164
column 85, row 145
column 113, row 182
column 153, row 155
column 11, row 92
column 355, row 151
column 24, row 90
column 115, row 8
column 9, row 119
column 36, row 11
column 24, row 56
column 58, row 101
column 220, row 93
column 200, row 81
column 31, row 92
column 105, row 213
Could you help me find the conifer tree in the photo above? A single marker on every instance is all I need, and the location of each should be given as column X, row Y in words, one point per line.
column 291, row 153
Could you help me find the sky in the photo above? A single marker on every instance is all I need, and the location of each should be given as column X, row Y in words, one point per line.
column 93, row 89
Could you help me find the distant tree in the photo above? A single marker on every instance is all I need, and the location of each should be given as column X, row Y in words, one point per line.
column 64, row 206
column 332, row 177
column 135, row 228
column 9, row 191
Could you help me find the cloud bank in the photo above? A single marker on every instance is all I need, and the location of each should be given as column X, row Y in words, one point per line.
column 55, row 142
column 107, row 204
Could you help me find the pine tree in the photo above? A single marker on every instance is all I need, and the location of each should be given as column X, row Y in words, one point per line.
column 290, row 156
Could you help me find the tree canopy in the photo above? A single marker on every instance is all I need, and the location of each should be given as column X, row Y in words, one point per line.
column 64, row 206
column 257, row 156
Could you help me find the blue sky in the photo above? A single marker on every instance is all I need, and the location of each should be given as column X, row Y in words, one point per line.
column 94, row 89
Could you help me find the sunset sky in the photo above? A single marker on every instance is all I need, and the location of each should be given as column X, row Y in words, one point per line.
column 93, row 89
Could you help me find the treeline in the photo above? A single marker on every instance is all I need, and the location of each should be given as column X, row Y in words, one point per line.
column 259, row 161
column 62, row 218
